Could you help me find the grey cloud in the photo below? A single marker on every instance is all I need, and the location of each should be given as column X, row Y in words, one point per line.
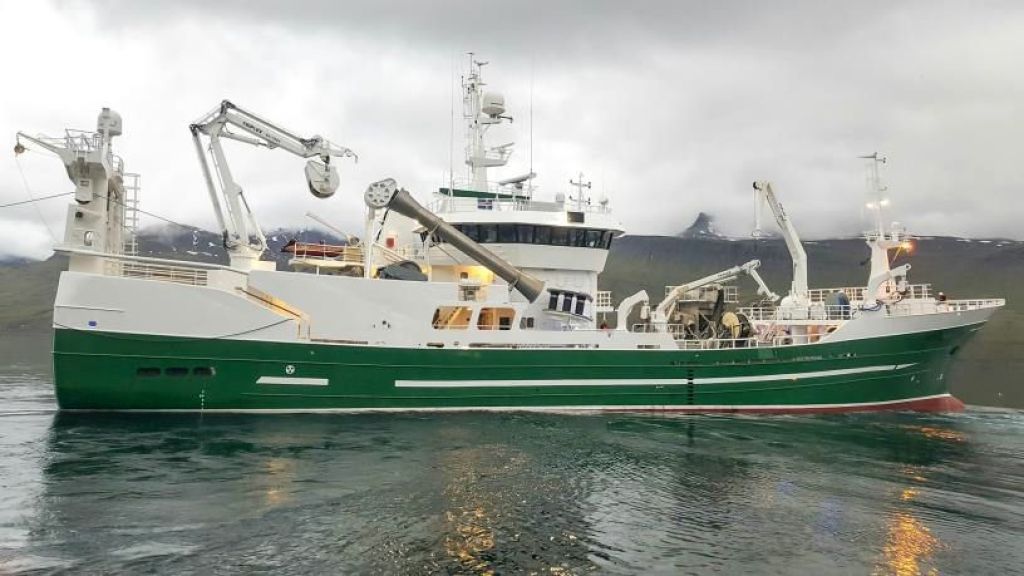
column 673, row 107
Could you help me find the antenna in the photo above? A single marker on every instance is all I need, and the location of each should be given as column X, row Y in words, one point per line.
column 580, row 185
column 531, row 123
column 451, row 130
column 875, row 189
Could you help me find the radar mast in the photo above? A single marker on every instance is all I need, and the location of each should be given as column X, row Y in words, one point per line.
column 481, row 110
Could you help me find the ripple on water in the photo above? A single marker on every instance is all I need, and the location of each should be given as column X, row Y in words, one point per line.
column 507, row 493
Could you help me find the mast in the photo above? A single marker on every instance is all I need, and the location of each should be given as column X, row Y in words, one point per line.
column 882, row 278
column 876, row 192
column 579, row 185
column 481, row 110
column 95, row 221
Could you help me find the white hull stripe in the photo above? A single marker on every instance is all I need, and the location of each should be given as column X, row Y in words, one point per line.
column 556, row 409
column 293, row 381
column 641, row 382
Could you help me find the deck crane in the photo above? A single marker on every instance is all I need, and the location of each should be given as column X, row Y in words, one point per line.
column 242, row 235
column 763, row 194
column 660, row 315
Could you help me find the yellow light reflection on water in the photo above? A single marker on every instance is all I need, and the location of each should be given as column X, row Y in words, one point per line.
column 275, row 483
column 909, row 546
column 473, row 504
column 938, row 433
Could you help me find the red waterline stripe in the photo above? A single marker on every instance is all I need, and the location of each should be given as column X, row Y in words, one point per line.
column 947, row 403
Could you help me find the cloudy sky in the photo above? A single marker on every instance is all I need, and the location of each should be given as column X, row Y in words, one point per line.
column 670, row 108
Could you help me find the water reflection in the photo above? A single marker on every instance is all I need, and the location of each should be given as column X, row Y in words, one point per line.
column 910, row 546
column 486, row 494
column 469, row 527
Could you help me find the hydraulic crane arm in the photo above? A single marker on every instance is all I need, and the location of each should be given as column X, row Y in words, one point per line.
column 264, row 133
column 661, row 313
column 763, row 193
column 242, row 235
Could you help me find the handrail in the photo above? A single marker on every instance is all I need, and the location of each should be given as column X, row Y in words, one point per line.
column 700, row 293
column 449, row 204
column 149, row 259
column 177, row 274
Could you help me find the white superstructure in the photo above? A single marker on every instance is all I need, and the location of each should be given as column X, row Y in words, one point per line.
column 563, row 241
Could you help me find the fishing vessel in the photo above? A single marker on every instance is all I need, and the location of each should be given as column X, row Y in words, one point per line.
column 485, row 298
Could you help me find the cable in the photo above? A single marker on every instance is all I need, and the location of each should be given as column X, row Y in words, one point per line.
column 51, row 196
column 152, row 215
column 32, row 200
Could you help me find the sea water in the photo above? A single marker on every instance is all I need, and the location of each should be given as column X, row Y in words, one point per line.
column 503, row 493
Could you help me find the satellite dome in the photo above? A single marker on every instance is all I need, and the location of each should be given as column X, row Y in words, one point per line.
column 109, row 122
column 493, row 104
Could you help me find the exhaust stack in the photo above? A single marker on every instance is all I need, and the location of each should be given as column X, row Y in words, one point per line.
column 386, row 194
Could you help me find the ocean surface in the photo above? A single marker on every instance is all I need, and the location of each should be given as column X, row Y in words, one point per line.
column 502, row 493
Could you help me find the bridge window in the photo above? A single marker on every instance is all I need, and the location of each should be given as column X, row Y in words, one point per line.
column 570, row 303
column 542, row 235
column 567, row 302
column 581, row 304
column 525, row 233
column 507, row 233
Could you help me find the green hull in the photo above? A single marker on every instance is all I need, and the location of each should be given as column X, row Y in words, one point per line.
column 105, row 371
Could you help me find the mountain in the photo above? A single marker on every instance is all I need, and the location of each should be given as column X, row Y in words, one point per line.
column 183, row 244
column 702, row 228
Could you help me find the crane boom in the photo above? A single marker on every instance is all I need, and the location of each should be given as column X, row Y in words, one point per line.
column 798, row 288
column 243, row 237
column 661, row 313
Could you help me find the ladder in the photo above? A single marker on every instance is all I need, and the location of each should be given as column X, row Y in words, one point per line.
column 130, row 220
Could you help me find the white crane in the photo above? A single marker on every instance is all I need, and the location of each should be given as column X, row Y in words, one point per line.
column 763, row 193
column 242, row 235
column 95, row 221
column 660, row 315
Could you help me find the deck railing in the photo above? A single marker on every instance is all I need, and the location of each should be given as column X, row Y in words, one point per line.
column 160, row 272
column 820, row 312
column 448, row 204
column 709, row 293
column 776, row 337
column 857, row 293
